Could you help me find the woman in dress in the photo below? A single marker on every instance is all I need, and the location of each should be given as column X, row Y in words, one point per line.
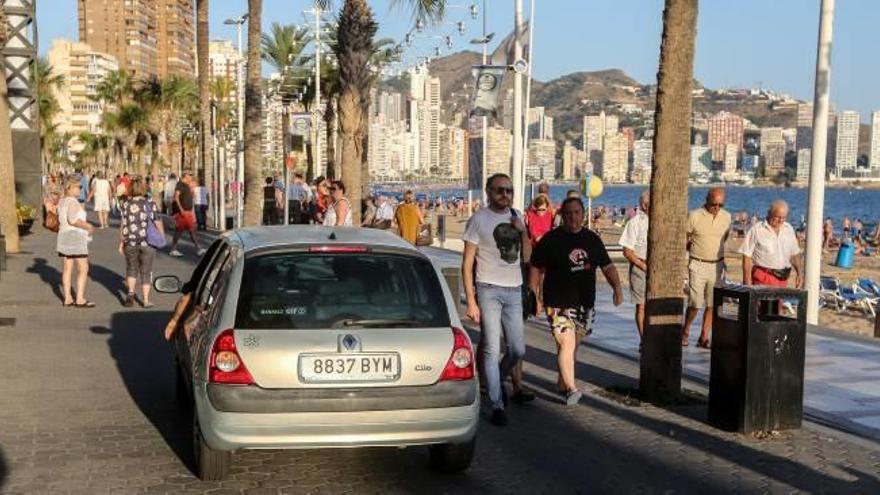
column 408, row 219
column 72, row 244
column 100, row 193
column 137, row 213
column 339, row 213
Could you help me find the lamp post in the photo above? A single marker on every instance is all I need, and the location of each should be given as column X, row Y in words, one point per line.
column 484, row 41
column 239, row 205
column 516, row 166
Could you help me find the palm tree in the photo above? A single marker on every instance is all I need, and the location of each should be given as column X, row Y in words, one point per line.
column 253, row 200
column 283, row 50
column 660, row 377
column 164, row 102
column 353, row 51
column 8, row 217
column 206, row 166
column 46, row 82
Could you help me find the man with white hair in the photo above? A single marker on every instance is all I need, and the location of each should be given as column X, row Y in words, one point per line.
column 770, row 250
column 634, row 241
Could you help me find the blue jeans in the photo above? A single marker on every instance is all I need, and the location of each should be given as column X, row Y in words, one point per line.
column 500, row 310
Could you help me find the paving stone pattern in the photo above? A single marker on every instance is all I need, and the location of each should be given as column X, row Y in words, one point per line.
column 87, row 406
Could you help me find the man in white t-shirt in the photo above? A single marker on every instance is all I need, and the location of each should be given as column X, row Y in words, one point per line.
column 298, row 196
column 770, row 250
column 200, row 203
column 384, row 213
column 168, row 193
column 634, row 241
column 497, row 241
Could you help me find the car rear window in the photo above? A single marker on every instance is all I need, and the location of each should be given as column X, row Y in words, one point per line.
column 309, row 290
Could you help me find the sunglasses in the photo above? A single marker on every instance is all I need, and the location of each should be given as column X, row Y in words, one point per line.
column 332, row 189
column 500, row 190
column 715, row 205
column 541, row 210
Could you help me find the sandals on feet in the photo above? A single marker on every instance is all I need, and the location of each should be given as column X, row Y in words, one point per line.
column 87, row 304
column 703, row 343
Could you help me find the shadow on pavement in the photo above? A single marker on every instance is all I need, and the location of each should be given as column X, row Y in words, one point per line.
column 111, row 280
column 4, row 470
column 146, row 365
column 48, row 274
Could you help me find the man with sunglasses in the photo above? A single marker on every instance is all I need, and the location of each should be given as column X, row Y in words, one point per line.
column 707, row 231
column 770, row 250
column 497, row 241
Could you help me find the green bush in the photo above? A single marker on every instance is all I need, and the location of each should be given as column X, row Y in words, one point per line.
column 24, row 212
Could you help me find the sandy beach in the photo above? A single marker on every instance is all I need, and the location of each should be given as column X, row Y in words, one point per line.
column 850, row 320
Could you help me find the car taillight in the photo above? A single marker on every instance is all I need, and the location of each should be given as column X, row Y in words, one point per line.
column 226, row 365
column 461, row 362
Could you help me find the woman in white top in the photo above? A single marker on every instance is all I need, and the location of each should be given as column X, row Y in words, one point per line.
column 73, row 244
column 101, row 194
column 339, row 213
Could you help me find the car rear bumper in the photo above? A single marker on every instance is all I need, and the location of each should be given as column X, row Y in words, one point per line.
column 399, row 427
column 254, row 399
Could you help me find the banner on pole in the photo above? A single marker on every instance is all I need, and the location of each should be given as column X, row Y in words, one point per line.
column 488, row 80
column 300, row 124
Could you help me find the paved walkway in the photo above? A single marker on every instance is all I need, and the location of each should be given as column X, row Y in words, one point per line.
column 842, row 376
column 87, row 406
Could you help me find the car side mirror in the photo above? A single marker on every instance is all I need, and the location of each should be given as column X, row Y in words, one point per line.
column 167, row 284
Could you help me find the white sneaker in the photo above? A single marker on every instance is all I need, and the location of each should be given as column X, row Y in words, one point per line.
column 175, row 253
column 201, row 251
column 573, row 397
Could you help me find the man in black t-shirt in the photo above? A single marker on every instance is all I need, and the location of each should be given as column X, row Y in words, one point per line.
column 563, row 277
column 184, row 214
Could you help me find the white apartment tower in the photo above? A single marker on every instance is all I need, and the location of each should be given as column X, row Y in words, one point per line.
column 875, row 140
column 847, row 142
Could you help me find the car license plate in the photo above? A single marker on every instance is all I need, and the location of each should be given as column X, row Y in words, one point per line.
column 341, row 368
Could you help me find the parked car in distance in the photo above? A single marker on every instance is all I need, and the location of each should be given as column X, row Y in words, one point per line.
column 304, row 337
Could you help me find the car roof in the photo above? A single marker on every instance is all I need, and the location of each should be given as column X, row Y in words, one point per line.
column 252, row 238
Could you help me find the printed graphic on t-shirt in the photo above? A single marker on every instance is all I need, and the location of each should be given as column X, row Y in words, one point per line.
column 509, row 242
column 579, row 260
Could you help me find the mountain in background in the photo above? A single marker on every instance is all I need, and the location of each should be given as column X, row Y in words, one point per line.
column 569, row 97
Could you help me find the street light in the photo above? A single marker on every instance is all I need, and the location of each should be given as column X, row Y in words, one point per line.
column 238, row 23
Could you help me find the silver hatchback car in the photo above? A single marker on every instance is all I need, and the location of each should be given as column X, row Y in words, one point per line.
column 314, row 337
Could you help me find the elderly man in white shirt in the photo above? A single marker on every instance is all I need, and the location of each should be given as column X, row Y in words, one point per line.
column 634, row 241
column 384, row 213
column 770, row 250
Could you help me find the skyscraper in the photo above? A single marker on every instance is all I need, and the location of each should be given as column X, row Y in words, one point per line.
column 615, row 164
column 847, row 151
column 147, row 37
column 224, row 62
column 701, row 159
column 595, row 129
column 724, row 128
column 773, row 151
column 804, row 139
column 542, row 159
column 573, row 161
column 540, row 124
column 875, row 140
column 453, row 152
column 82, row 67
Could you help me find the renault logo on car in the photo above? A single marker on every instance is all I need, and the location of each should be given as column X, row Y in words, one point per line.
column 349, row 343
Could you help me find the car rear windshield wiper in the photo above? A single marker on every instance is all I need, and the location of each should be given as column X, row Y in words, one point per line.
column 386, row 322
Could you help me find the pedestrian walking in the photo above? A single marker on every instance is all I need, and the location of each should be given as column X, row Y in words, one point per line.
column 168, row 193
column 384, row 213
column 138, row 214
column 200, row 205
column 496, row 242
column 707, row 231
column 339, row 213
column 539, row 218
column 72, row 244
column 52, row 194
column 408, row 219
column 634, row 241
column 270, row 202
column 770, row 250
column 298, row 196
column 184, row 216
column 100, row 194
column 563, row 278
column 369, row 216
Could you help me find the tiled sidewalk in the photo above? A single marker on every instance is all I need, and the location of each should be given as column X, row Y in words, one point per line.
column 842, row 376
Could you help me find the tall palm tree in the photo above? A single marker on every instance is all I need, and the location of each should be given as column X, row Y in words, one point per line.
column 253, row 200
column 206, row 167
column 353, row 51
column 660, row 377
column 8, row 217
column 46, row 82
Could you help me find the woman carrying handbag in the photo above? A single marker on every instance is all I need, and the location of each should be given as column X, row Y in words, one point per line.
column 140, row 234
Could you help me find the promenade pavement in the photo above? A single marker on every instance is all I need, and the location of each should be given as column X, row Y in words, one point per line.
column 87, row 406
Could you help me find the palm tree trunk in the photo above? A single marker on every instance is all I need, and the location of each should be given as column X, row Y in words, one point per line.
column 253, row 201
column 154, row 155
column 206, row 167
column 8, row 217
column 330, row 129
column 660, row 377
column 353, row 48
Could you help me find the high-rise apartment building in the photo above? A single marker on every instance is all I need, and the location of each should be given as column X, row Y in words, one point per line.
column 175, row 38
column 731, row 160
column 804, row 158
column 83, row 70
column 701, row 159
column 595, row 129
column 540, row 124
column 147, row 37
column 429, row 127
column 773, row 150
column 574, row 161
column 804, row 139
column 875, row 140
column 499, row 143
column 615, row 163
column 724, row 128
column 542, row 160
column 224, row 62
column 643, row 154
column 453, row 152
column 847, row 150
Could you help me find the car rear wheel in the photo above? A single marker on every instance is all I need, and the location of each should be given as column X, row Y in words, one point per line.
column 211, row 464
column 452, row 457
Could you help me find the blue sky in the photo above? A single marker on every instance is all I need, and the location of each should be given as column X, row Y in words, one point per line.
column 740, row 43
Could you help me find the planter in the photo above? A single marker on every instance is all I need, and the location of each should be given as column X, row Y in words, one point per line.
column 24, row 228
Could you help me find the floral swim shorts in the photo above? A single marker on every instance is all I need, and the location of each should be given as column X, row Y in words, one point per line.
column 579, row 320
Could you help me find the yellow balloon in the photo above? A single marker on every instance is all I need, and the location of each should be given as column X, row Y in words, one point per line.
column 594, row 190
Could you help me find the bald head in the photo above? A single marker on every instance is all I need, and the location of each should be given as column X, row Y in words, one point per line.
column 714, row 200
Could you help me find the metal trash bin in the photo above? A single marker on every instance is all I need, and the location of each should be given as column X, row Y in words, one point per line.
column 757, row 367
